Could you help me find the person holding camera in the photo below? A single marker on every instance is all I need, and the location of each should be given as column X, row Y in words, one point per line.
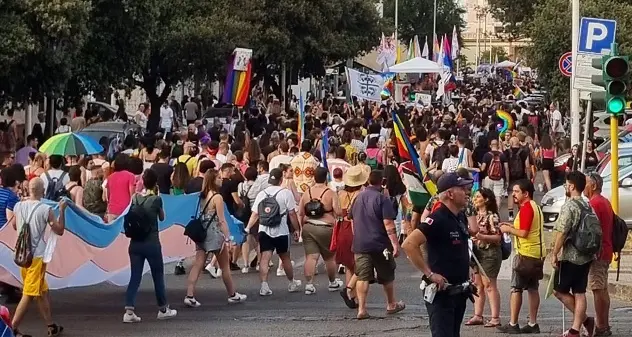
column 444, row 232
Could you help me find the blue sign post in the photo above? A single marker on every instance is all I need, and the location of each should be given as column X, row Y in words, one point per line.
column 595, row 35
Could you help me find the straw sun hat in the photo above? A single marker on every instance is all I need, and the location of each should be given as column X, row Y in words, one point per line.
column 357, row 175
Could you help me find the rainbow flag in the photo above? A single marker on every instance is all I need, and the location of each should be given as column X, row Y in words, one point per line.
column 518, row 93
column 414, row 172
column 435, row 49
column 237, row 84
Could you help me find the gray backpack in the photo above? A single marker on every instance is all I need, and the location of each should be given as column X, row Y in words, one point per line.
column 270, row 211
column 586, row 236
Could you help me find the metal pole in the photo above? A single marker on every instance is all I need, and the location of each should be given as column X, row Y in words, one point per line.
column 434, row 24
column 485, row 35
column 586, row 132
column 396, row 24
column 575, row 115
column 478, row 37
column 490, row 48
column 283, row 86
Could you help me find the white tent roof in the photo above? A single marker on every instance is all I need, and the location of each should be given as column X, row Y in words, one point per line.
column 416, row 65
column 505, row 64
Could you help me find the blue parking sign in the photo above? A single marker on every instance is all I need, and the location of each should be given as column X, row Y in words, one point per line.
column 596, row 35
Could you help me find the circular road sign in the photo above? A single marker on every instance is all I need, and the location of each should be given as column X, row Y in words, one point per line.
column 566, row 64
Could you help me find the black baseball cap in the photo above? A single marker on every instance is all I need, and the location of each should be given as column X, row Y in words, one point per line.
column 275, row 176
column 449, row 180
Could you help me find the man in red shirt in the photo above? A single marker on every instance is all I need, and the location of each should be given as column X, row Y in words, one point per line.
column 598, row 275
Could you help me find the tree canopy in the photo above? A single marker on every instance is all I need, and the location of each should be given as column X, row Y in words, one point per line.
column 416, row 17
column 514, row 14
column 551, row 37
column 499, row 52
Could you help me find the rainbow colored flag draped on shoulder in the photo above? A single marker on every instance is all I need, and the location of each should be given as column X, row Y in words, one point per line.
column 414, row 173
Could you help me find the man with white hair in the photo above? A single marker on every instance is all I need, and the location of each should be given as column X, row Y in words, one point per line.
column 37, row 216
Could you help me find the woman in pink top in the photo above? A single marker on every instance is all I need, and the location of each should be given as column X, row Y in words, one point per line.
column 548, row 155
column 120, row 187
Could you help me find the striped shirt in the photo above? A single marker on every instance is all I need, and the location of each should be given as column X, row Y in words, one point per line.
column 8, row 199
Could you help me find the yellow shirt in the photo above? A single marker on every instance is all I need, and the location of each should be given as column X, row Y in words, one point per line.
column 532, row 245
column 190, row 162
column 303, row 166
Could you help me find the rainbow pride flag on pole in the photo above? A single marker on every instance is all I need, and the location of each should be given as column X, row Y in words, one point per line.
column 238, row 77
column 518, row 93
column 414, row 173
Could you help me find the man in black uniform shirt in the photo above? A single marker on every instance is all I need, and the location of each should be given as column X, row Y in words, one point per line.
column 444, row 232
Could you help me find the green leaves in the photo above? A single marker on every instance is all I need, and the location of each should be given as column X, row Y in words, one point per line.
column 416, row 17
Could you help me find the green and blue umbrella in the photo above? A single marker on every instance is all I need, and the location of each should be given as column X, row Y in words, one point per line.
column 70, row 144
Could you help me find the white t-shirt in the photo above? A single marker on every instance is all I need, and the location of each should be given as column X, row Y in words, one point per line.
column 53, row 173
column 286, row 201
column 557, row 116
column 38, row 220
column 277, row 160
column 166, row 118
column 62, row 129
column 141, row 119
column 450, row 165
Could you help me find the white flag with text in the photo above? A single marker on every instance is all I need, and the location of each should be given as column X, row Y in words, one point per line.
column 365, row 86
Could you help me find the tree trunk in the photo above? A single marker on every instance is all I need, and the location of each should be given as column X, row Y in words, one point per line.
column 151, row 87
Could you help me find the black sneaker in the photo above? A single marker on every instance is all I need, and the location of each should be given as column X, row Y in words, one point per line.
column 509, row 329
column 55, row 330
column 530, row 328
column 179, row 270
column 234, row 266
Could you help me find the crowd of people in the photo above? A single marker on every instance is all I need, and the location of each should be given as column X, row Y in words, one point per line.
column 354, row 214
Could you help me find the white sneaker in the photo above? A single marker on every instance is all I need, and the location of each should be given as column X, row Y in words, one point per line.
column 215, row 272
column 131, row 318
column 336, row 285
column 310, row 289
column 257, row 268
column 245, row 270
column 237, row 298
column 191, row 302
column 167, row 314
column 294, row 285
column 265, row 289
column 280, row 272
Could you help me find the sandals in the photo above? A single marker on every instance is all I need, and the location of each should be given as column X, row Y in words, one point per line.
column 17, row 333
column 475, row 320
column 363, row 316
column 490, row 324
column 350, row 302
column 399, row 306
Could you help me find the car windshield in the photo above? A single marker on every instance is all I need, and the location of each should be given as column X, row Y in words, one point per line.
column 605, row 169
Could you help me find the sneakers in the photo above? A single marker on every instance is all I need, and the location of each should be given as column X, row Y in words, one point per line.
column 130, row 318
column 167, row 313
column 589, row 325
column 55, row 330
column 191, row 302
column 293, row 286
column 341, row 269
column 214, row 271
column 568, row 333
column 265, row 289
column 281, row 271
column 310, row 289
column 179, row 269
column 530, row 328
column 335, row 285
column 509, row 329
column 245, row 270
column 234, row 266
column 599, row 332
column 237, row 298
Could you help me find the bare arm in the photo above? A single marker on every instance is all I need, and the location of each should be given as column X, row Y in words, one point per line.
column 218, row 203
column 412, row 248
column 58, row 226
column 293, row 220
column 336, row 205
column 391, row 231
column 11, row 217
column 79, row 197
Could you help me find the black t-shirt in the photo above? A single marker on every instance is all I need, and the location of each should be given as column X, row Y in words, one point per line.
column 487, row 160
column 163, row 171
column 194, row 185
column 514, row 173
column 226, row 190
column 448, row 252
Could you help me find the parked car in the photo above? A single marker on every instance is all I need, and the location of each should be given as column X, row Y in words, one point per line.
column 553, row 200
column 111, row 130
column 601, row 124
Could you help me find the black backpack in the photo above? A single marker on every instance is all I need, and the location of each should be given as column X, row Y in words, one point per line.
column 55, row 189
column 517, row 169
column 619, row 236
column 270, row 211
column 243, row 213
column 196, row 228
column 439, row 154
column 315, row 208
column 137, row 223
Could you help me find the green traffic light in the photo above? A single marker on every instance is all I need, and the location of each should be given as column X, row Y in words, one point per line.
column 616, row 105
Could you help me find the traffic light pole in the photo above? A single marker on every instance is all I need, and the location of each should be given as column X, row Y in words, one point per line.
column 614, row 150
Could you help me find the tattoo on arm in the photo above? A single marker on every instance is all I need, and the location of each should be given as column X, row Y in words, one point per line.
column 391, row 231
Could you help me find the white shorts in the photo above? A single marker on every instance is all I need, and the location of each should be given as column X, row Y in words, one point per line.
column 497, row 186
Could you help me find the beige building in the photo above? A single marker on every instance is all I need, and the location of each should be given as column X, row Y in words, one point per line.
column 482, row 32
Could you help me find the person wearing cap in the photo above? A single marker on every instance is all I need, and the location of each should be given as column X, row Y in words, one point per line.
column 375, row 243
column 448, row 253
column 276, row 238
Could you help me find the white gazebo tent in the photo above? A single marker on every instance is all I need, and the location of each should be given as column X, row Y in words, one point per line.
column 417, row 65
column 505, row 64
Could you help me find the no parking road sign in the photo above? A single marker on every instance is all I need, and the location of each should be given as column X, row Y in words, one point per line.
column 566, row 64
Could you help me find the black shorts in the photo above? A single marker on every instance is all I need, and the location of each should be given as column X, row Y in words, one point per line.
column 570, row 277
column 267, row 244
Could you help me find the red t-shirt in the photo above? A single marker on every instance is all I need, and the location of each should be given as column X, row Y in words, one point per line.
column 526, row 214
column 603, row 210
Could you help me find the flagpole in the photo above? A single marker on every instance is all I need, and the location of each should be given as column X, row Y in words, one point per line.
column 434, row 23
column 396, row 22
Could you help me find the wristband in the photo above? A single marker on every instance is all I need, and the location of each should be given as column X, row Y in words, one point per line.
column 430, row 275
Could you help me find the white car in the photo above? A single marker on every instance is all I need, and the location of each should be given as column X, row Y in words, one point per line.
column 601, row 124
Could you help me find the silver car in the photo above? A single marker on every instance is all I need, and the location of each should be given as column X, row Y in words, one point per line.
column 553, row 200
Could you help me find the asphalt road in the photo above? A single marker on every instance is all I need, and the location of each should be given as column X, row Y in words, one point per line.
column 98, row 310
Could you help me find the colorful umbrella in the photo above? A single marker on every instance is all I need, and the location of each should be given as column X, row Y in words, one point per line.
column 70, row 144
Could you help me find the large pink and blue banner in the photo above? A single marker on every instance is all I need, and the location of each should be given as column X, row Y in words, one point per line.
column 92, row 252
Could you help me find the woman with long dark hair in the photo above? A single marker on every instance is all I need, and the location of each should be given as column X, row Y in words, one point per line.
column 488, row 252
column 217, row 240
column 547, row 154
column 397, row 193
